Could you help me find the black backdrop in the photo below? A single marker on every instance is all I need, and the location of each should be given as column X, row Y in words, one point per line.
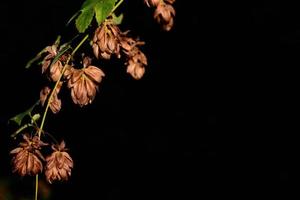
column 158, row 138
column 154, row 138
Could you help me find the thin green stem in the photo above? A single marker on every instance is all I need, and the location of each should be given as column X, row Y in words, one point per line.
column 36, row 187
column 116, row 6
column 79, row 45
column 56, row 84
column 49, row 102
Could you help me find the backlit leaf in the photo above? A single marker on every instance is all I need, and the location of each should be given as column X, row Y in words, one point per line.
column 117, row 19
column 100, row 8
column 19, row 118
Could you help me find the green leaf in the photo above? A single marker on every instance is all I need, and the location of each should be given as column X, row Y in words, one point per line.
column 103, row 9
column 89, row 4
column 35, row 117
column 84, row 19
column 19, row 118
column 117, row 19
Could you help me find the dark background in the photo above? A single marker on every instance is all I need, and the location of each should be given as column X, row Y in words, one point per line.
column 157, row 138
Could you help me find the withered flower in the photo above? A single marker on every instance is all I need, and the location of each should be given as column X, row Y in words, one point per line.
column 84, row 83
column 106, row 41
column 56, row 68
column 59, row 164
column 136, row 59
column 164, row 15
column 55, row 104
column 68, row 72
column 52, row 52
column 26, row 160
column 136, row 64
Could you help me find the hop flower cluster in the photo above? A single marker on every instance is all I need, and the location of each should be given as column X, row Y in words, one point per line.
column 83, row 82
column 109, row 40
column 82, row 79
column 164, row 12
column 28, row 159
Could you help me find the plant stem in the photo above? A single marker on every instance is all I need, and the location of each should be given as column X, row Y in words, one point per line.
column 56, row 84
column 36, row 187
column 116, row 6
column 49, row 102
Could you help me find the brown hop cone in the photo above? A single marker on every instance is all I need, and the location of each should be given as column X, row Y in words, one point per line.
column 59, row 164
column 55, row 104
column 84, row 83
column 26, row 160
column 136, row 59
column 136, row 65
column 106, row 41
column 68, row 72
column 52, row 52
column 152, row 3
column 164, row 15
column 56, row 69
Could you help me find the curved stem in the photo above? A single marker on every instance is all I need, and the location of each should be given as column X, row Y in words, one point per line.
column 49, row 102
column 56, row 84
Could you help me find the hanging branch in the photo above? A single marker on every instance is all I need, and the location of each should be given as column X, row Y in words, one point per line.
column 59, row 65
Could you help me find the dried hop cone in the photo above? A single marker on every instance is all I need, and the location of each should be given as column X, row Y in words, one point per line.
column 55, row 104
column 106, row 41
column 136, row 64
column 56, row 69
column 136, row 59
column 51, row 53
column 164, row 15
column 26, row 159
column 59, row 164
column 84, row 83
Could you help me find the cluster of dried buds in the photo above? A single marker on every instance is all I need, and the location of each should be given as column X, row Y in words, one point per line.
column 82, row 82
column 164, row 12
column 109, row 40
column 28, row 159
